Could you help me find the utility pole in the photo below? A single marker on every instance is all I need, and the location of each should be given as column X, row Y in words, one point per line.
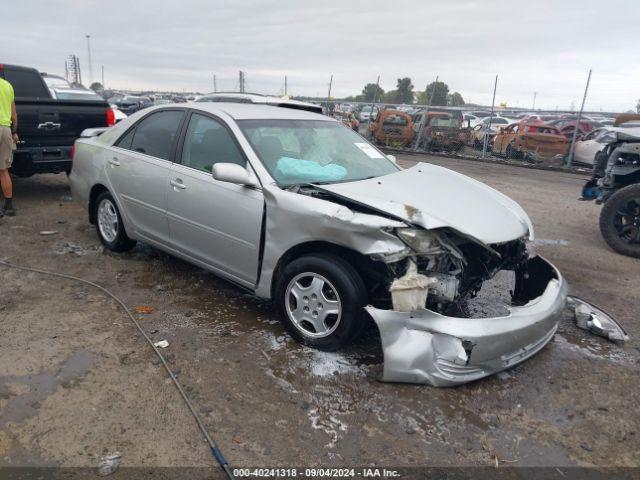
column 535, row 94
column 373, row 103
column 285, row 85
column 103, row 76
column 487, row 129
column 89, row 55
column 215, row 84
column 241, row 81
column 425, row 114
column 329, row 93
column 575, row 130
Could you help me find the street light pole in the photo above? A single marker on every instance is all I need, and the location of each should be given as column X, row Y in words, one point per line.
column 535, row 94
column 89, row 55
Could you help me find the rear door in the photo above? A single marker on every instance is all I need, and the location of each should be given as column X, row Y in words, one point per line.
column 138, row 170
column 215, row 223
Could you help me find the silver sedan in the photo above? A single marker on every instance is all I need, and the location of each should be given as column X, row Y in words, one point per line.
column 302, row 210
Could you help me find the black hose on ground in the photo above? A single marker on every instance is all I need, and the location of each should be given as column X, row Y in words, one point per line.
column 212, row 445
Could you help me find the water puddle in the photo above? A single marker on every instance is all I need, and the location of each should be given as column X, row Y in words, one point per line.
column 24, row 394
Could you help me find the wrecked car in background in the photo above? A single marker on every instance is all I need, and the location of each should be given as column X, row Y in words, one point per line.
column 443, row 132
column 616, row 183
column 297, row 208
column 523, row 139
column 393, row 128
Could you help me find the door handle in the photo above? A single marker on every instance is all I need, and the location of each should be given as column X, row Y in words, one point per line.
column 114, row 162
column 177, row 183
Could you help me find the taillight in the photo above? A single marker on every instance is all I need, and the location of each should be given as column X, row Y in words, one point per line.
column 111, row 117
column 73, row 151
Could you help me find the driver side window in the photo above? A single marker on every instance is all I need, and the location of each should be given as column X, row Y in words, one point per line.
column 208, row 142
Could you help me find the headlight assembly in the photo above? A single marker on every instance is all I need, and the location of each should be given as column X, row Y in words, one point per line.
column 421, row 241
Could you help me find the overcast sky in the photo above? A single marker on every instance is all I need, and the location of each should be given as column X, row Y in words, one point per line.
column 542, row 46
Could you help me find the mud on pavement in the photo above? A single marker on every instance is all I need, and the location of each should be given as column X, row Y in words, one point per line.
column 77, row 380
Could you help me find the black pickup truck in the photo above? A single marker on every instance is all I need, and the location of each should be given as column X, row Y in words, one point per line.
column 48, row 127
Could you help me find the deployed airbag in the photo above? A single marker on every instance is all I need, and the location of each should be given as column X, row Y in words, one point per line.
column 300, row 170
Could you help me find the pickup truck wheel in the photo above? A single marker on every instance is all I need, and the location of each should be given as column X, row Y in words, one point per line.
column 320, row 299
column 109, row 224
column 620, row 221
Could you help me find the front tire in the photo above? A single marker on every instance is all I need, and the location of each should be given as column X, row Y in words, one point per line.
column 320, row 299
column 620, row 221
column 109, row 224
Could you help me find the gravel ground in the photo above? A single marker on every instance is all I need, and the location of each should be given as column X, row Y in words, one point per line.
column 77, row 380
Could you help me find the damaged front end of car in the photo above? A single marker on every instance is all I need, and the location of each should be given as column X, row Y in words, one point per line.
column 436, row 332
column 451, row 285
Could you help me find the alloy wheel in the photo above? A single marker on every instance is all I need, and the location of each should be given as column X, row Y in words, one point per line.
column 313, row 305
column 108, row 220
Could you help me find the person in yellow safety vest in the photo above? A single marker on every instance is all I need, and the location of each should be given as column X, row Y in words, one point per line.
column 8, row 142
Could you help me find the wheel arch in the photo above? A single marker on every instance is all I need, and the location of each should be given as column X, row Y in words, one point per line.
column 96, row 190
column 355, row 259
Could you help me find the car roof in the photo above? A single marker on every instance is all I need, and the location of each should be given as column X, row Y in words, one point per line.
column 252, row 111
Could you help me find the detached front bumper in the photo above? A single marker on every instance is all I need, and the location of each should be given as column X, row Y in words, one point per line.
column 426, row 347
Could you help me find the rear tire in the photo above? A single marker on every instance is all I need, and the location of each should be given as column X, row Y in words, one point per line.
column 109, row 224
column 620, row 221
column 320, row 299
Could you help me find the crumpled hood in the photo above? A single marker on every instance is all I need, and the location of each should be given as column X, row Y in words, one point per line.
column 435, row 197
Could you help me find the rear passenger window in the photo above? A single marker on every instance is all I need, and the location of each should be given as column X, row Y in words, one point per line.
column 125, row 140
column 155, row 135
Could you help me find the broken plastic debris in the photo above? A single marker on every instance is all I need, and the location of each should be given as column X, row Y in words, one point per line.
column 48, row 232
column 409, row 292
column 161, row 344
column 591, row 318
column 109, row 463
column 143, row 309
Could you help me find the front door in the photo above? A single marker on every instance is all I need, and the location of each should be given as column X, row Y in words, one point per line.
column 138, row 168
column 216, row 223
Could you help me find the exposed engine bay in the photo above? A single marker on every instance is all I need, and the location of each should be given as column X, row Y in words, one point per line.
column 456, row 265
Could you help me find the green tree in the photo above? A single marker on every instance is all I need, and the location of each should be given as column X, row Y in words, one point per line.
column 372, row 91
column 392, row 96
column 440, row 92
column 455, row 100
column 96, row 87
column 405, row 90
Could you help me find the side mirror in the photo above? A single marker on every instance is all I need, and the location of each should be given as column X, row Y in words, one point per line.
column 392, row 158
column 233, row 173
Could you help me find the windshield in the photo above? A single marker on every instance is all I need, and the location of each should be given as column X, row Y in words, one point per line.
column 394, row 119
column 314, row 151
column 62, row 95
column 56, row 82
column 443, row 122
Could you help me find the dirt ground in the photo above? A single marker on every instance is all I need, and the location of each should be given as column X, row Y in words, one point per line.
column 77, row 380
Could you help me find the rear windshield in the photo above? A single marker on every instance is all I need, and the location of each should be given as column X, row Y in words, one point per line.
column 25, row 83
column 395, row 120
column 443, row 122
